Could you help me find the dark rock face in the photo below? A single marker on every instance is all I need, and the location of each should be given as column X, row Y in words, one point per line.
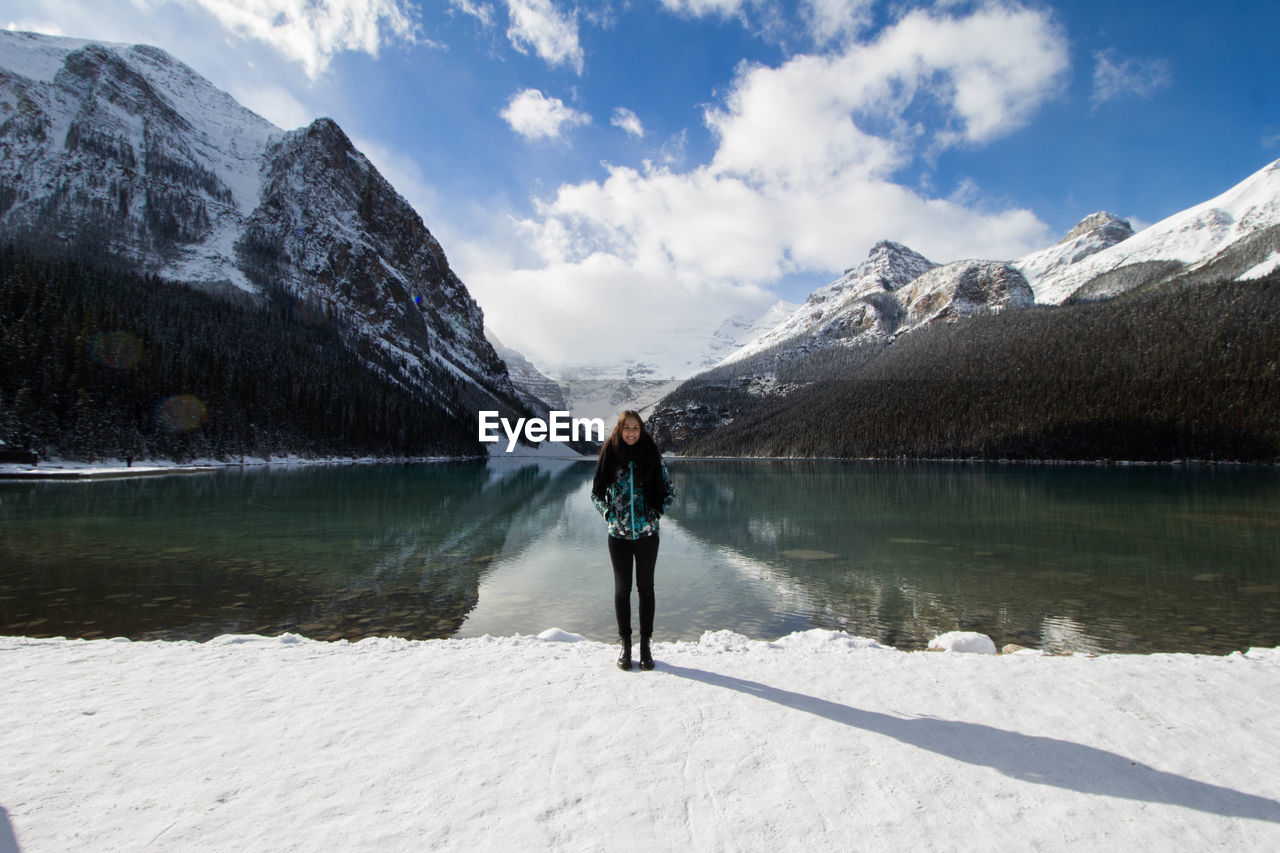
column 331, row 227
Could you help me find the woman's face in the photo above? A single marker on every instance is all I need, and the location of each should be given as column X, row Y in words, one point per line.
column 631, row 430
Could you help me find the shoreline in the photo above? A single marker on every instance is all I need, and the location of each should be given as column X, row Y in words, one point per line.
column 1003, row 462
column 75, row 470
column 952, row 644
column 60, row 469
column 103, row 473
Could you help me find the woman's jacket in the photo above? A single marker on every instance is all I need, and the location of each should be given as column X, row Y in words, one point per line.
column 624, row 507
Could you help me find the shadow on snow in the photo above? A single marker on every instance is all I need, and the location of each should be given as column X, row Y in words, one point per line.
column 1029, row 758
column 8, row 841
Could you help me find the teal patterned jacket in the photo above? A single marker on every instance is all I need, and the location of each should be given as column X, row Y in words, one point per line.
column 623, row 507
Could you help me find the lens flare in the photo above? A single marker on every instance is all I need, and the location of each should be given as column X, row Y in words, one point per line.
column 181, row 413
column 119, row 350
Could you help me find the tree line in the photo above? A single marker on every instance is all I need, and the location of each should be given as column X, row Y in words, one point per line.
column 1179, row 373
column 102, row 362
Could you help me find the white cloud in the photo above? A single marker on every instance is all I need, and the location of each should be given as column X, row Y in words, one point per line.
column 703, row 8
column 482, row 12
column 539, row 26
column 305, row 33
column 802, row 183
column 835, row 20
column 1137, row 77
column 674, row 150
column 824, row 21
column 533, row 115
column 628, row 121
column 277, row 105
column 602, row 307
column 312, row 32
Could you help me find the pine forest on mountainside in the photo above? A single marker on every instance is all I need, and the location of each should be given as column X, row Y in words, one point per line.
column 1184, row 373
column 103, row 363
column 1176, row 373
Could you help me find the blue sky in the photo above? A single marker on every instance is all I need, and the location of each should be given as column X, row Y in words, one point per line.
column 613, row 179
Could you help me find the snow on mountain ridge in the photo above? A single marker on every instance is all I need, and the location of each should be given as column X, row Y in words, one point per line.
column 41, row 57
column 1188, row 240
column 851, row 305
column 164, row 147
column 229, row 134
column 1089, row 236
column 1100, row 221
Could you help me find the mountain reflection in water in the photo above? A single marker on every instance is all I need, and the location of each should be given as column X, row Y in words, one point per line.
column 1078, row 558
column 327, row 552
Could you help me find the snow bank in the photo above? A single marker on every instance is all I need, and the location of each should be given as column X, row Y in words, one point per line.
column 814, row 741
column 963, row 641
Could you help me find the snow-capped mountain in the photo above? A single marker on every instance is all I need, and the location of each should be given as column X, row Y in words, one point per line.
column 605, row 389
column 893, row 291
column 1233, row 236
column 859, row 302
column 123, row 152
column 896, row 291
column 127, row 147
column 1091, row 235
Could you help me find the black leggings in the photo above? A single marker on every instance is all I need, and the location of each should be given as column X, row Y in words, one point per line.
column 644, row 553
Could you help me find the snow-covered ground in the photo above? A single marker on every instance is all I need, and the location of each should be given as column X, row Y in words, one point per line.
column 818, row 741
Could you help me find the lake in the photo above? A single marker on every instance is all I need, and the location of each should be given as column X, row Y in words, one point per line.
column 1061, row 558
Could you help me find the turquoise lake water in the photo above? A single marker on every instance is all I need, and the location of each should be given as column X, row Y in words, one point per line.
column 1078, row 558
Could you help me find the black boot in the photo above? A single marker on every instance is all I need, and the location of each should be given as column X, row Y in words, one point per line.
column 646, row 656
column 624, row 659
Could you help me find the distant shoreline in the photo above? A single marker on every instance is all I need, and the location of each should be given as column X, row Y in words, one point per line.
column 114, row 469
column 929, row 460
column 36, row 473
column 59, row 469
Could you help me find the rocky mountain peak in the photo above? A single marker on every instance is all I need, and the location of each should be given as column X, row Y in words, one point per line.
column 1095, row 233
column 859, row 304
column 1107, row 226
column 889, row 264
column 962, row 289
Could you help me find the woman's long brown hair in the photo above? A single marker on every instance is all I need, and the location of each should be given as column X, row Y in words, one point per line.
column 644, row 453
column 615, row 441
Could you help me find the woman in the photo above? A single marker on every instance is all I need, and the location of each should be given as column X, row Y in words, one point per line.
column 632, row 490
